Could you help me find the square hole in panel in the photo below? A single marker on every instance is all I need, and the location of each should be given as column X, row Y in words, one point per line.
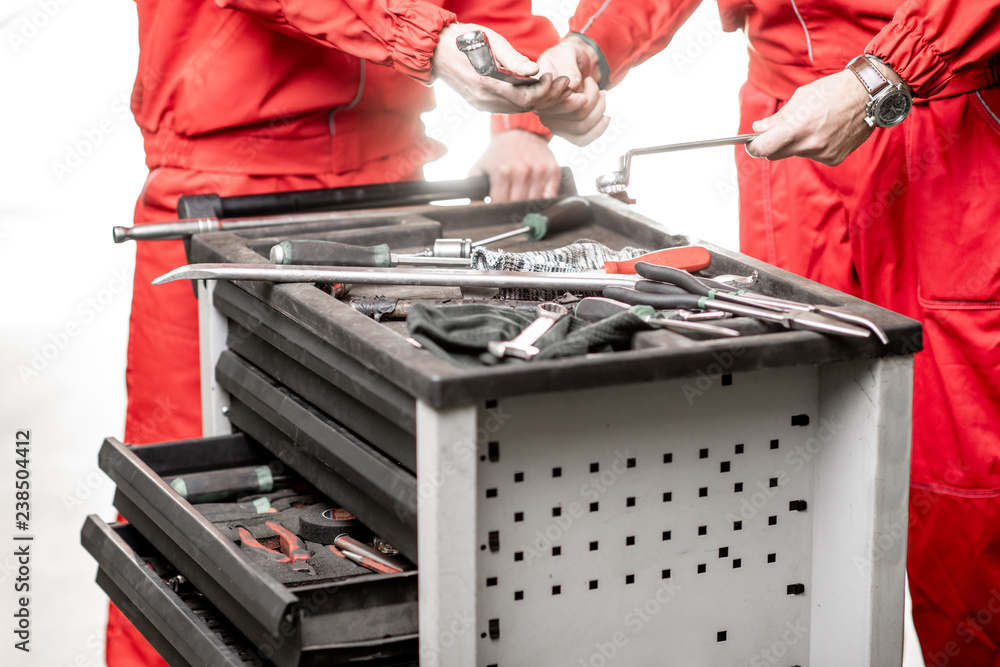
column 594, row 507
column 666, row 535
column 772, row 558
column 737, row 563
column 630, row 541
column 593, row 584
column 491, row 403
column 668, row 458
column 774, row 444
column 556, row 590
column 593, row 546
column 493, row 448
column 491, row 493
column 595, row 467
column 720, row 636
column 629, row 579
column 703, row 454
column 630, row 501
column 703, row 492
column 518, row 555
column 773, row 482
column 518, row 516
column 737, row 525
column 629, row 463
column 557, row 472
column 738, row 487
column 556, row 511
column 668, row 496
column 723, row 552
column 727, row 379
column 796, row 589
column 739, row 449
column 491, row 581
column 556, row 551
column 772, row 521
column 800, row 420
column 724, row 466
column 703, row 530
column 702, row 568
column 664, row 574
column 518, row 595
column 519, row 477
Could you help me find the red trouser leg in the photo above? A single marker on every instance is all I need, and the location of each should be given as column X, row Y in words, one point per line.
column 921, row 210
column 162, row 376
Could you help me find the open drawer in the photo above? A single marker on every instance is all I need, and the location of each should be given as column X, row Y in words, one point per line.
column 365, row 618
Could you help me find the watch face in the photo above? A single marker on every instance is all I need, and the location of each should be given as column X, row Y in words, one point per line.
column 892, row 108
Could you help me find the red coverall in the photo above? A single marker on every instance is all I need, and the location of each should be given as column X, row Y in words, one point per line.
column 910, row 221
column 251, row 96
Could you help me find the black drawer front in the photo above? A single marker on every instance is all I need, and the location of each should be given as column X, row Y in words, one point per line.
column 370, row 619
column 373, row 487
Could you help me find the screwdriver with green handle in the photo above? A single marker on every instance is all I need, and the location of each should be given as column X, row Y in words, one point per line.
column 207, row 487
column 564, row 215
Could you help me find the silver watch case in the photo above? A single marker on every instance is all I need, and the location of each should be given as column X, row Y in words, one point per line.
column 888, row 107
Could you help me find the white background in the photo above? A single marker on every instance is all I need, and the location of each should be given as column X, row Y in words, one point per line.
column 71, row 167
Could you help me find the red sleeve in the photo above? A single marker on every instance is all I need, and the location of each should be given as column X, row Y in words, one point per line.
column 401, row 34
column 931, row 42
column 630, row 31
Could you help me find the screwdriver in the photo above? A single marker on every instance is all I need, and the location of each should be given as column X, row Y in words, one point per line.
column 206, row 487
column 562, row 216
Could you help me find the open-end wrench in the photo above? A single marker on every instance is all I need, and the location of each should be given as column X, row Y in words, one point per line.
column 523, row 345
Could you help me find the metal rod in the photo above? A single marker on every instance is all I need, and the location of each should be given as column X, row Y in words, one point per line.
column 581, row 282
column 617, row 181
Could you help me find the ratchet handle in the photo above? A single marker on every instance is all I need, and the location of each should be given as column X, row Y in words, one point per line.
column 690, row 257
column 668, row 274
column 567, row 214
column 657, row 301
column 330, row 253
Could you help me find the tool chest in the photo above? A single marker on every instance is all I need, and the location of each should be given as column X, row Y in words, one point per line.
column 711, row 502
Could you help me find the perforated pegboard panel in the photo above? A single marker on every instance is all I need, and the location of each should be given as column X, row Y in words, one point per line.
column 659, row 524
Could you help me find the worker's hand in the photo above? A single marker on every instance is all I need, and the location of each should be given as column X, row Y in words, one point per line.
column 520, row 166
column 823, row 121
column 580, row 117
column 485, row 93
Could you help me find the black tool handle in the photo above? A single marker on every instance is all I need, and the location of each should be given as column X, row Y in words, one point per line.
column 404, row 193
column 668, row 274
column 653, row 287
column 657, row 301
column 564, row 215
column 597, row 308
column 329, row 253
column 219, row 484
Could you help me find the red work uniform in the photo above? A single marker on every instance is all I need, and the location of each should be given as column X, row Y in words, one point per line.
column 251, row 96
column 910, row 221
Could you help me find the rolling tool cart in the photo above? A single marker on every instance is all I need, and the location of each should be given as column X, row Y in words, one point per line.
column 738, row 500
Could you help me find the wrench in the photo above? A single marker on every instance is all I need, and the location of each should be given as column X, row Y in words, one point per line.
column 523, row 345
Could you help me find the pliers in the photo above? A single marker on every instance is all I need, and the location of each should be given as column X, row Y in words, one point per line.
column 667, row 287
column 293, row 551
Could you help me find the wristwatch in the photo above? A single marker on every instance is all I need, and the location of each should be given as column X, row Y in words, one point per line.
column 888, row 104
